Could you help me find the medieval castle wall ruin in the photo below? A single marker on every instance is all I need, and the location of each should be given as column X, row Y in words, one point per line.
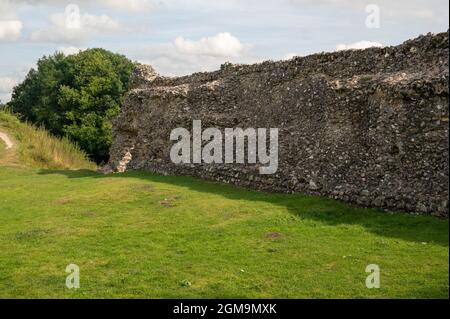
column 368, row 127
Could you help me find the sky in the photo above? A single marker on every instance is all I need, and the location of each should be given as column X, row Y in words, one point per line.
column 179, row 37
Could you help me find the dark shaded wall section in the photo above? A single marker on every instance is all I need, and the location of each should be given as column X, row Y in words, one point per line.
column 368, row 127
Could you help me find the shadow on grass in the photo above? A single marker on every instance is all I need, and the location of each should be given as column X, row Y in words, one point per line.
column 421, row 229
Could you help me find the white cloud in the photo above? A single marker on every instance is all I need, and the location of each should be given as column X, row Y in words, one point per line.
column 10, row 80
column 119, row 5
column 7, row 10
column 102, row 23
column 182, row 56
column 358, row 45
column 6, row 86
column 413, row 9
column 328, row 2
column 75, row 29
column 10, row 25
column 291, row 55
column 220, row 45
column 10, row 30
column 70, row 50
column 131, row 5
column 5, row 97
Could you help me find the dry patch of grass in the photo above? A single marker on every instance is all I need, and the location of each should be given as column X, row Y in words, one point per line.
column 2, row 148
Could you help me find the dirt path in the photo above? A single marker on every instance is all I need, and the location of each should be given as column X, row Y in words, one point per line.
column 6, row 139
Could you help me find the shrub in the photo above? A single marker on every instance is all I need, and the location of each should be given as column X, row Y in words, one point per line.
column 76, row 96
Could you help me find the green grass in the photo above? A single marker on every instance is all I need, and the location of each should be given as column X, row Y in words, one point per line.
column 37, row 148
column 140, row 235
column 146, row 236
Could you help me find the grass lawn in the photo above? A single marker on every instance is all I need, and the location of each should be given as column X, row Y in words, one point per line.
column 147, row 236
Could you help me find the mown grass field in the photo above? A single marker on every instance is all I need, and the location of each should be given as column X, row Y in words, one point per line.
column 140, row 235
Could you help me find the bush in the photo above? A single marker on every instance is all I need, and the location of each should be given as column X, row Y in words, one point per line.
column 76, row 96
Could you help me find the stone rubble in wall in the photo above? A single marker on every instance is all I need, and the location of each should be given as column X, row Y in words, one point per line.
column 369, row 127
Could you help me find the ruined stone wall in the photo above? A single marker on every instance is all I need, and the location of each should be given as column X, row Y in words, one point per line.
column 368, row 126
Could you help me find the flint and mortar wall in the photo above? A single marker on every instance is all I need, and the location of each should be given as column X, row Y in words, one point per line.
column 368, row 126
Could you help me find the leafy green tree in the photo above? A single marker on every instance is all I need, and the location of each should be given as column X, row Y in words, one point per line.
column 76, row 96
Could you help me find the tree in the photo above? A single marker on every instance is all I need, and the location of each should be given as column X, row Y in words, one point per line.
column 76, row 96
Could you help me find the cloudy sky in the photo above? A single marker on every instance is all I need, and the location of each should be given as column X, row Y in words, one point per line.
column 183, row 36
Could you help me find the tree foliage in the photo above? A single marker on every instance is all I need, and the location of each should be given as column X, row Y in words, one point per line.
column 76, row 96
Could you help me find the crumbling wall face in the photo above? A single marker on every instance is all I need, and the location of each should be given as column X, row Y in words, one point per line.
column 368, row 127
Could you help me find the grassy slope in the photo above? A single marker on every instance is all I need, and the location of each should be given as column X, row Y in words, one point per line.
column 36, row 148
column 2, row 148
column 142, row 235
